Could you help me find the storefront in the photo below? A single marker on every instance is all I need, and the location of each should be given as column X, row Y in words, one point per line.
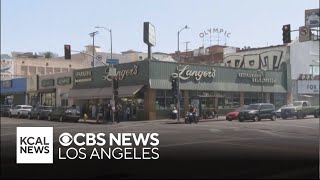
column 308, row 90
column 32, row 88
column 145, row 86
column 54, row 89
column 13, row 91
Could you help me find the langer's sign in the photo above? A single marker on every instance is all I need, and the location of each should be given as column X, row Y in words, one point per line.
column 121, row 74
column 185, row 73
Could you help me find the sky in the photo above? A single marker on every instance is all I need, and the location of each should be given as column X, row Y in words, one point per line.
column 46, row 25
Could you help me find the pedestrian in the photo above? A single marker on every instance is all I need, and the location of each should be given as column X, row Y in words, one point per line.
column 93, row 110
column 128, row 113
column 116, row 114
column 100, row 113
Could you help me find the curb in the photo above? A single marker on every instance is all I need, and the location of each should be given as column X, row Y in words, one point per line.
column 222, row 118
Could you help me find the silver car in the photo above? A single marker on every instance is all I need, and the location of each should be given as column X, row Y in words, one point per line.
column 20, row 111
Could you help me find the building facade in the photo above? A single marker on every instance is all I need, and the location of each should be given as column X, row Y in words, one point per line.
column 13, row 91
column 145, row 86
column 304, row 60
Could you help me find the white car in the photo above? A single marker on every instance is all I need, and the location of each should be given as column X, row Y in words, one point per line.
column 20, row 111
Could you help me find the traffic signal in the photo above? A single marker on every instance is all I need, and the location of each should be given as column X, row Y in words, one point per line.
column 67, row 51
column 174, row 87
column 286, row 34
column 115, row 86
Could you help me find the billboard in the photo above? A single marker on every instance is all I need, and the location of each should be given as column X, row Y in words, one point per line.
column 149, row 34
column 312, row 17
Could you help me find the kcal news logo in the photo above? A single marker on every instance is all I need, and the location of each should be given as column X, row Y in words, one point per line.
column 34, row 145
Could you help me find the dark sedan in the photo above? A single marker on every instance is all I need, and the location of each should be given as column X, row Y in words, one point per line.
column 5, row 109
column 64, row 113
column 39, row 112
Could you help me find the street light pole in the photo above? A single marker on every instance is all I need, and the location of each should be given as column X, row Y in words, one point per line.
column 92, row 35
column 112, row 85
column 178, row 103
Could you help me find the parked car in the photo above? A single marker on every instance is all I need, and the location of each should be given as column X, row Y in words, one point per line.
column 39, row 112
column 234, row 114
column 258, row 111
column 64, row 113
column 300, row 109
column 20, row 111
column 278, row 111
column 5, row 109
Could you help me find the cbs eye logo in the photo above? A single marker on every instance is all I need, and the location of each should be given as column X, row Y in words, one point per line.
column 65, row 139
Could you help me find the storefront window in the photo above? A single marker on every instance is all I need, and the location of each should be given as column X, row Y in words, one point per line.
column 33, row 99
column 165, row 100
column 48, row 99
column 279, row 99
column 252, row 97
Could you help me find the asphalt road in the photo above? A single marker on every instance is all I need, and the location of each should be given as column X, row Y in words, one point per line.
column 210, row 149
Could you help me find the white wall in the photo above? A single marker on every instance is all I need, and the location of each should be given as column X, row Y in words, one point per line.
column 302, row 55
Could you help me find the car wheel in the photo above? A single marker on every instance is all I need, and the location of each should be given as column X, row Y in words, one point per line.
column 61, row 118
column 229, row 118
column 256, row 118
column 284, row 117
column 29, row 116
column 299, row 115
column 240, row 120
column 273, row 117
column 49, row 118
column 38, row 117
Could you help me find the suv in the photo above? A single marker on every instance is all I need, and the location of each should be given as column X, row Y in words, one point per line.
column 20, row 111
column 39, row 112
column 64, row 113
column 258, row 111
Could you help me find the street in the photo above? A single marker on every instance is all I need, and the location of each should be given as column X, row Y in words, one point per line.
column 210, row 149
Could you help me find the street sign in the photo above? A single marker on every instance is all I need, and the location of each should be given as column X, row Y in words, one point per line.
column 113, row 61
column 304, row 33
column 112, row 71
column 99, row 57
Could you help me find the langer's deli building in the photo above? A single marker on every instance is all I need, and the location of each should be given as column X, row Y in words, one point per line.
column 145, row 86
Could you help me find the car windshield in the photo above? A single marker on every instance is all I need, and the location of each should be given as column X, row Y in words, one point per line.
column 253, row 107
column 297, row 103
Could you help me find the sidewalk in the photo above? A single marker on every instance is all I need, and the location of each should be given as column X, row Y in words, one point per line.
column 169, row 121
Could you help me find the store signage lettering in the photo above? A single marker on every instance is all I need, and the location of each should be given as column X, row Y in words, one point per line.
column 64, row 80
column 47, row 82
column 121, row 74
column 214, row 30
column 308, row 87
column 7, row 84
column 83, row 76
column 185, row 73
column 257, row 78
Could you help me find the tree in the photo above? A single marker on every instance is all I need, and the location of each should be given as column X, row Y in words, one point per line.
column 48, row 55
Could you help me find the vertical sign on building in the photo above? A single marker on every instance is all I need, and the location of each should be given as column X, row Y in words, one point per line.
column 149, row 36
